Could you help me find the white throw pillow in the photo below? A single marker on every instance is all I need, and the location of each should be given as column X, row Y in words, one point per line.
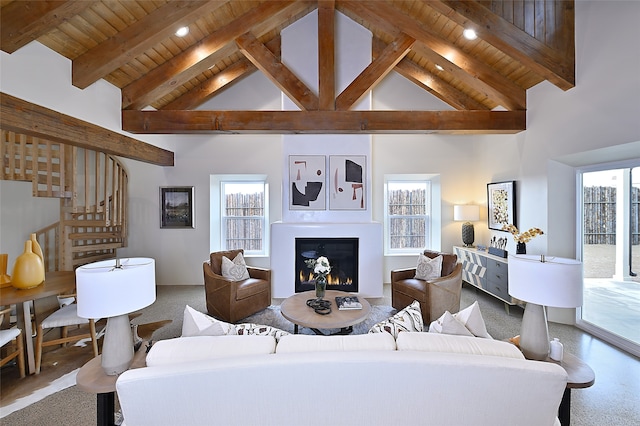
column 235, row 270
column 448, row 324
column 408, row 319
column 196, row 323
column 428, row 269
column 472, row 319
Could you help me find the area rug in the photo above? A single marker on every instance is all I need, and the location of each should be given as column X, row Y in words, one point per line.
column 272, row 316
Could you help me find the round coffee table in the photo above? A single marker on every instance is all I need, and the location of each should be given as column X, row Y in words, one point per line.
column 295, row 309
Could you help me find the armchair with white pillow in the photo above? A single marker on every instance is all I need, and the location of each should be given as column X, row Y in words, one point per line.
column 234, row 290
column 435, row 282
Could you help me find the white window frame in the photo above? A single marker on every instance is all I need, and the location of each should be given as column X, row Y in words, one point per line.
column 217, row 221
column 433, row 226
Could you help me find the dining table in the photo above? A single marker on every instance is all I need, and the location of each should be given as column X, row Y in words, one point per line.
column 43, row 299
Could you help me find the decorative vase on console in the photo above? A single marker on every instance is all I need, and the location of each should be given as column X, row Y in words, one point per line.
column 521, row 248
column 28, row 270
column 321, row 287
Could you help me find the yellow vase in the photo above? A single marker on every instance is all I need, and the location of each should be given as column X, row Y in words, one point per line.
column 5, row 279
column 35, row 246
column 28, row 270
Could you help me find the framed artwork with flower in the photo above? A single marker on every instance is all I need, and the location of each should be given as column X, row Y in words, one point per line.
column 501, row 202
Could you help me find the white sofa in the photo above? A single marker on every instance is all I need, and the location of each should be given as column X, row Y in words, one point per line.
column 372, row 379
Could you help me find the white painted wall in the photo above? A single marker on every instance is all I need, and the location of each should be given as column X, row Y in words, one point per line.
column 601, row 113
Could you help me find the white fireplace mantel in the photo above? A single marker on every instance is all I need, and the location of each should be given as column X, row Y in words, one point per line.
column 370, row 253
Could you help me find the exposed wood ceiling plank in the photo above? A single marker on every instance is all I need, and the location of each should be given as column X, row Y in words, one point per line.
column 430, row 82
column 207, row 89
column 136, row 39
column 277, row 72
column 22, row 22
column 557, row 67
column 326, row 55
column 471, row 71
column 318, row 122
column 23, row 117
column 375, row 72
column 199, row 57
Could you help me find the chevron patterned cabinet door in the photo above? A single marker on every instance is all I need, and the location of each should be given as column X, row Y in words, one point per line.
column 486, row 272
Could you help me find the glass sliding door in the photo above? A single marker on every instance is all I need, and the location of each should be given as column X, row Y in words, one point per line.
column 610, row 248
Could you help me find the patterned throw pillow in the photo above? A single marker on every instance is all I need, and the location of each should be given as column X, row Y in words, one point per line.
column 408, row 319
column 428, row 269
column 248, row 329
column 235, row 270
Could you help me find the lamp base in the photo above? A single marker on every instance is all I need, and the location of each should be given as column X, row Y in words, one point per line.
column 117, row 349
column 534, row 334
column 467, row 234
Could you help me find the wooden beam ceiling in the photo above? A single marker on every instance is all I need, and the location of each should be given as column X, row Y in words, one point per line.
column 317, row 122
column 131, row 44
column 23, row 117
column 23, row 22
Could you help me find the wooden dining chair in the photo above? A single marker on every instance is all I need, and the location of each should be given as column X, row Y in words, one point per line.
column 63, row 318
column 11, row 335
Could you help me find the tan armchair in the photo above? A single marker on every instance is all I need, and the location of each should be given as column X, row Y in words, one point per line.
column 233, row 300
column 435, row 297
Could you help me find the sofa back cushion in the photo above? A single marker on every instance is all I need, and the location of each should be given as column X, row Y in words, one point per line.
column 449, row 261
column 215, row 259
column 200, row 348
column 434, row 342
column 358, row 342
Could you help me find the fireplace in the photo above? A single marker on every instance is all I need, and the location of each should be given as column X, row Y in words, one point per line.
column 343, row 258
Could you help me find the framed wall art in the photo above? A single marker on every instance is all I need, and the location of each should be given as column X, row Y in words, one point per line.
column 501, row 201
column 347, row 177
column 177, row 207
column 307, row 182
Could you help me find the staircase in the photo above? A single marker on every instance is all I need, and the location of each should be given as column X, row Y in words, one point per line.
column 92, row 188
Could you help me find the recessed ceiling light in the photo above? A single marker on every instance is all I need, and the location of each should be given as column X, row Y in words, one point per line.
column 469, row 34
column 182, row 31
column 439, row 67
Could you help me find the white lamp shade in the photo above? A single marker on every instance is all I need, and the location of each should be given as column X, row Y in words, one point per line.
column 555, row 282
column 466, row 212
column 104, row 290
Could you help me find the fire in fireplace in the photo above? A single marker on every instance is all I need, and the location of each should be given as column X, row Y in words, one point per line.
column 343, row 258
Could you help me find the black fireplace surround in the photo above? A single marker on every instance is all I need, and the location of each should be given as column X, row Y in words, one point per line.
column 343, row 258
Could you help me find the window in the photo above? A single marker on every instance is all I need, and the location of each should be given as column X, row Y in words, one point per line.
column 242, row 212
column 408, row 213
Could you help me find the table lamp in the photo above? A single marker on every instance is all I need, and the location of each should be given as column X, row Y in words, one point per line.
column 112, row 289
column 467, row 213
column 540, row 281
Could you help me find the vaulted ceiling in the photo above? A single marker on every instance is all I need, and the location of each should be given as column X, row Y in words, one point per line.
column 163, row 77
